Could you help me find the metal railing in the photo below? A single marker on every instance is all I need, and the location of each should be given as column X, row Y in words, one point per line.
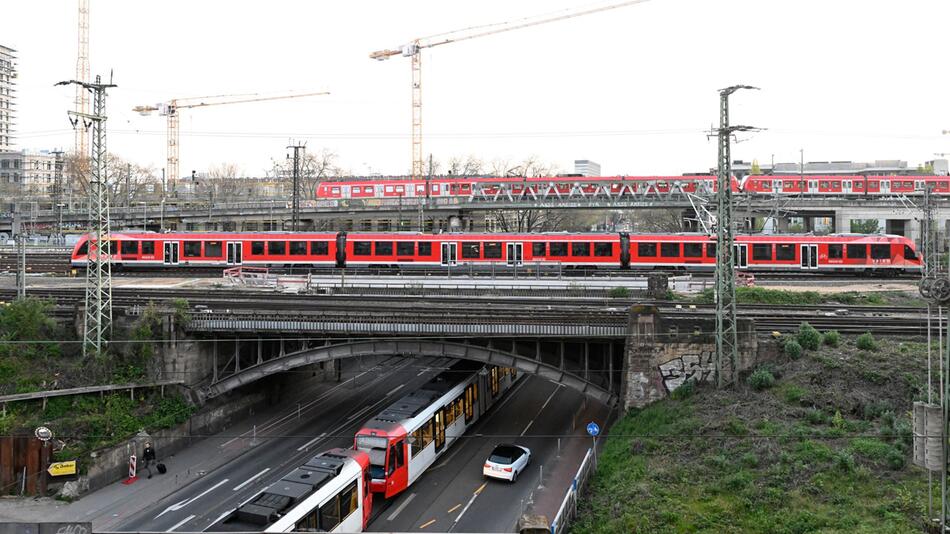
column 568, row 510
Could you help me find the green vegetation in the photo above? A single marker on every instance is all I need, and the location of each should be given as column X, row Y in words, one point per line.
column 761, row 379
column 808, row 337
column 761, row 295
column 619, row 292
column 832, row 338
column 866, row 342
column 826, row 449
column 793, row 350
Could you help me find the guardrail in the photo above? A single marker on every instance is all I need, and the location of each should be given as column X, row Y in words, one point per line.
column 568, row 510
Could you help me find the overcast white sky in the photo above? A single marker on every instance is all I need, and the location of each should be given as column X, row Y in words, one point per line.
column 633, row 89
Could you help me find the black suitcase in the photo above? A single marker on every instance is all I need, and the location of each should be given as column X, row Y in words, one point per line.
column 161, row 468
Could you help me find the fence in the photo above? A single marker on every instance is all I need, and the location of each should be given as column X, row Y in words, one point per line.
column 568, row 510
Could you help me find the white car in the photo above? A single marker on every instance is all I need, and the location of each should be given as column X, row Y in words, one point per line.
column 506, row 462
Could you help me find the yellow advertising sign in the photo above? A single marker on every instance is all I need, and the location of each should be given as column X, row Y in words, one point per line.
column 62, row 468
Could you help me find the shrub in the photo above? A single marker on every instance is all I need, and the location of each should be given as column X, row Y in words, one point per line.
column 866, row 342
column 837, row 421
column 844, row 461
column 831, row 338
column 794, row 394
column 619, row 292
column 761, row 379
column 808, row 337
column 793, row 350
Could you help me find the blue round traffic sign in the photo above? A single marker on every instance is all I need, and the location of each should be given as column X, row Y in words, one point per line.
column 593, row 429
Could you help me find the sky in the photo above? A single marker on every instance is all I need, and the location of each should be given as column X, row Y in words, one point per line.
column 634, row 89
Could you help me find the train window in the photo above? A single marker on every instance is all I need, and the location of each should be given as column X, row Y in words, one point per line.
column 823, row 185
column 439, row 424
column 298, row 248
column 425, row 248
column 330, row 514
column 349, row 498
column 307, row 523
column 880, row 252
column 276, row 248
column 449, row 410
column 762, row 251
column 785, row 252
column 192, row 249
column 389, row 189
column 427, row 433
column 789, row 183
column 710, row 250
column 356, row 189
column 405, row 248
column 319, row 248
column 83, row 249
column 459, row 407
column 537, row 249
column 646, row 250
column 580, row 249
column 213, row 249
column 493, row 250
column 257, row 248
column 129, row 247
column 909, row 253
column 670, row 250
column 835, row 252
column 471, row 251
column 603, row 249
column 108, row 247
column 383, row 248
column 693, row 250
column 148, row 247
column 362, row 248
column 873, row 183
column 857, row 252
column 766, row 184
column 557, row 249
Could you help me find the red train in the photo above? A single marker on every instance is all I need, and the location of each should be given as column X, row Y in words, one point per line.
column 881, row 254
column 810, row 185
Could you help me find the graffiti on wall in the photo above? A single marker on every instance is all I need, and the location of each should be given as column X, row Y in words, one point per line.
column 698, row 367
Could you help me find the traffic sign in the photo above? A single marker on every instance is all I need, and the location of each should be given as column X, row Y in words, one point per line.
column 58, row 469
column 593, row 429
column 42, row 433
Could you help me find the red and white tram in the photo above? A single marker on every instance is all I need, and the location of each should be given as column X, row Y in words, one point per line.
column 880, row 254
column 329, row 493
column 415, row 431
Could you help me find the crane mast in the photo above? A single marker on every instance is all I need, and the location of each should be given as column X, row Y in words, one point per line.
column 81, row 102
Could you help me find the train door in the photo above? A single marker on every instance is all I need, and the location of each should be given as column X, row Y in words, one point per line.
column 234, row 253
column 471, row 395
column 397, row 473
column 740, row 256
column 171, row 253
column 515, row 253
column 449, row 253
column 493, row 381
column 809, row 256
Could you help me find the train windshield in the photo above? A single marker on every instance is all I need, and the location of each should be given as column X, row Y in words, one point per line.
column 909, row 253
column 375, row 447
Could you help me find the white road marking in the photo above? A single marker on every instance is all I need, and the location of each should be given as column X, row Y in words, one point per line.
column 252, row 479
column 222, row 516
column 179, row 505
column 397, row 388
column 357, row 414
column 523, row 432
column 180, row 523
column 311, row 442
column 551, row 396
column 470, row 501
column 401, row 507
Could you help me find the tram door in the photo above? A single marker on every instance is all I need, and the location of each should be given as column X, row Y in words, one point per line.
column 234, row 253
column 449, row 253
column 740, row 256
column 515, row 253
column 809, row 256
column 171, row 253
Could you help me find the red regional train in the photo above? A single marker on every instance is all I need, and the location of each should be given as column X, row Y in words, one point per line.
column 809, row 185
column 879, row 254
column 415, row 431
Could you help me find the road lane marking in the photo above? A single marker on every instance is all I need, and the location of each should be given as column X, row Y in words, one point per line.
column 427, row 523
column 401, row 507
column 180, row 523
column 311, row 442
column 480, row 488
column 470, row 501
column 222, row 516
column 179, row 505
column 358, row 414
column 543, row 406
column 523, row 432
column 397, row 388
column 252, row 479
column 454, row 508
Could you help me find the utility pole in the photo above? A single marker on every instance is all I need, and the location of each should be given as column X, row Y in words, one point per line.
column 20, row 266
column 97, row 322
column 295, row 203
column 58, row 189
column 727, row 343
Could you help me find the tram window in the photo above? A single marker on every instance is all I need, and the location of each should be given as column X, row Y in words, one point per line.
column 835, row 252
column 762, row 251
column 857, row 252
column 471, row 251
column 646, row 250
column 129, row 247
column 405, row 248
column 557, row 249
column 449, row 413
column 427, row 433
column 537, row 249
column 330, row 514
column 670, row 250
column 148, row 247
column 191, row 249
column 307, row 523
column 349, row 501
column 493, row 250
column 257, row 248
column 693, row 250
column 710, row 250
column 580, row 249
column 213, row 249
column 298, row 248
column 319, row 248
column 603, row 249
column 276, row 248
column 425, row 248
column 880, row 252
column 362, row 248
column 383, row 248
column 785, row 252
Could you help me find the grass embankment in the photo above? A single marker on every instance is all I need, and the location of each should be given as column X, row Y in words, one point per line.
column 28, row 362
column 819, row 442
column 761, row 295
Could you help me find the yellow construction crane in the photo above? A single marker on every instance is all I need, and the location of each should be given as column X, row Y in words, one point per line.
column 414, row 48
column 170, row 110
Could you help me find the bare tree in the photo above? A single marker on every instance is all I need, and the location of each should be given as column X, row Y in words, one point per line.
column 660, row 221
column 315, row 167
column 469, row 166
column 225, row 170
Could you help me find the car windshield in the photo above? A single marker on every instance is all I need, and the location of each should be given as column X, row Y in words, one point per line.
column 504, row 454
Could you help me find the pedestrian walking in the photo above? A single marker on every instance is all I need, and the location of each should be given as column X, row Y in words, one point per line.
column 148, row 455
